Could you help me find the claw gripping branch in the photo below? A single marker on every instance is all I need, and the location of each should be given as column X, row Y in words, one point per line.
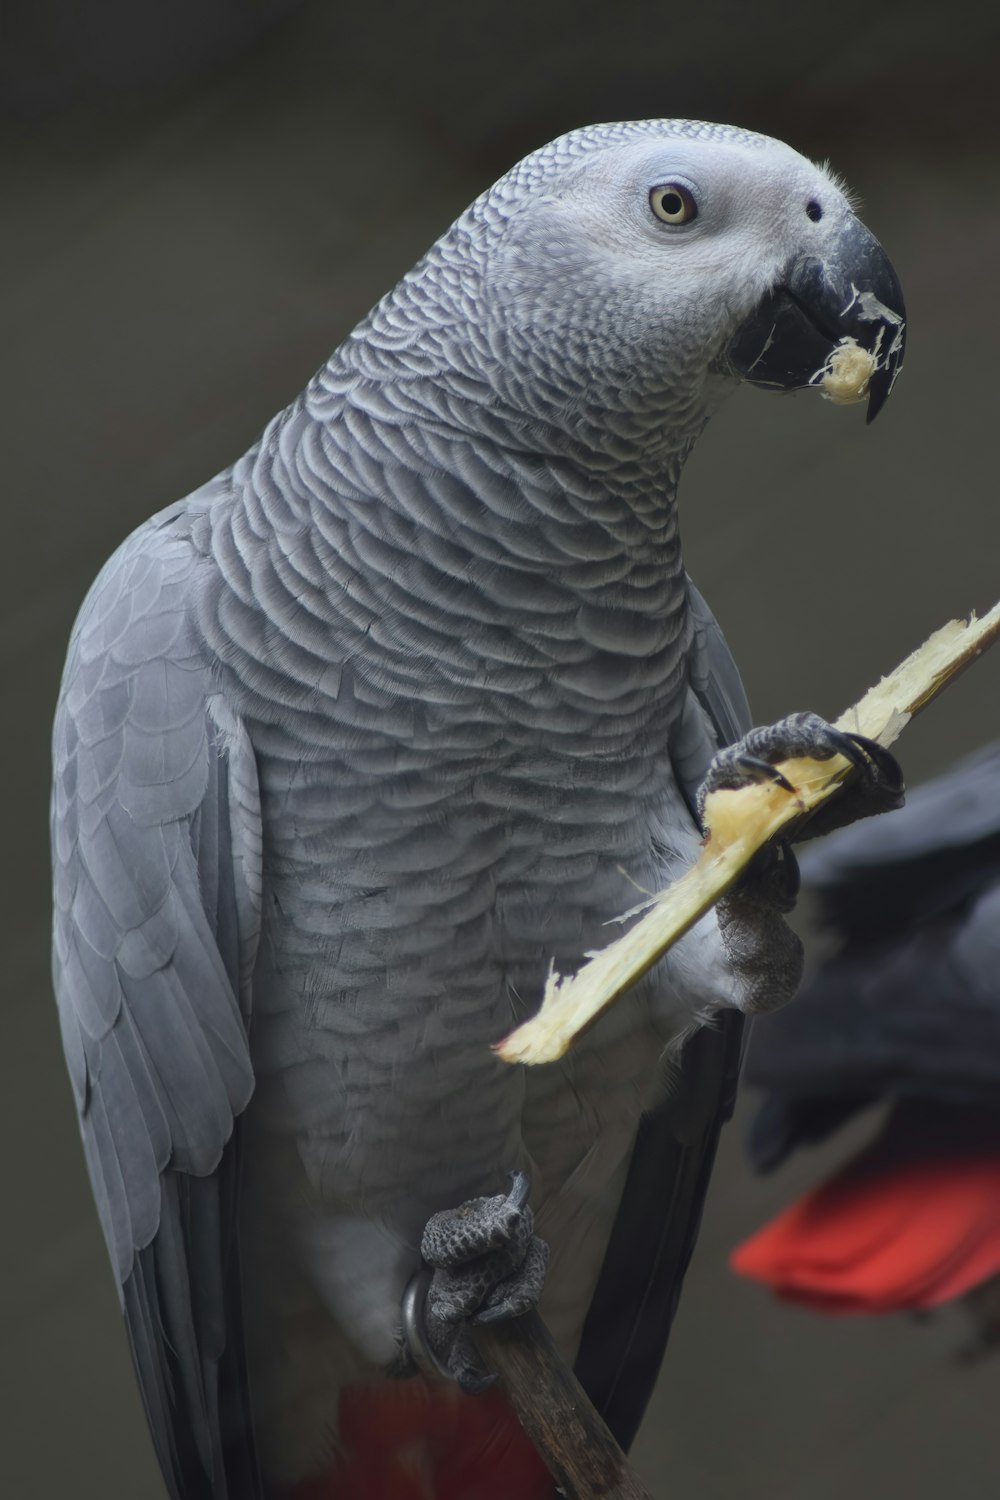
column 738, row 823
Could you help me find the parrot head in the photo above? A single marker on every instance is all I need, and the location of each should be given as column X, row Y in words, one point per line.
column 663, row 260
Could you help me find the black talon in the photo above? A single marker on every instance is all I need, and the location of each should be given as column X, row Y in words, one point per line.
column 863, row 752
column 875, row 785
column 882, row 759
column 520, row 1190
column 847, row 745
column 491, row 1315
column 765, row 772
column 870, row 757
column 855, row 748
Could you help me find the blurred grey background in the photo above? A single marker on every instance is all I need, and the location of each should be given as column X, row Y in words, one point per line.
column 199, row 198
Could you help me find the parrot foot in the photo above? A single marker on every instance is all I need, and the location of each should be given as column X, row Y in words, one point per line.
column 875, row 785
column 764, row 952
column 483, row 1263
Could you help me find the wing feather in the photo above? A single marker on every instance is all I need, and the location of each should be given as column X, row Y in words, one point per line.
column 157, row 877
column 629, row 1320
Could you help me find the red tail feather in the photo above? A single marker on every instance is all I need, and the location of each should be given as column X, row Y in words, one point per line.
column 883, row 1236
column 411, row 1440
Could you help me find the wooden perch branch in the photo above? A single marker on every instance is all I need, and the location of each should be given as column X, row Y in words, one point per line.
column 739, row 822
column 552, row 1407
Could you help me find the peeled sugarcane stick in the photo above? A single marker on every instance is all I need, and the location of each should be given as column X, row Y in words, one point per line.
column 738, row 822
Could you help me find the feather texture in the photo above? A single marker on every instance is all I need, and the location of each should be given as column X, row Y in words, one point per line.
column 354, row 742
column 157, row 859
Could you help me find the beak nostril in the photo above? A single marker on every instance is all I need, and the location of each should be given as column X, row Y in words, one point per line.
column 814, row 210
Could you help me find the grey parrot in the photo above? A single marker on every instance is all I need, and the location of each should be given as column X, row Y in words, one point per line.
column 904, row 1014
column 357, row 739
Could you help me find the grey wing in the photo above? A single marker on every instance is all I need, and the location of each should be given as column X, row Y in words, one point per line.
column 716, row 711
column 157, row 857
column 653, row 1237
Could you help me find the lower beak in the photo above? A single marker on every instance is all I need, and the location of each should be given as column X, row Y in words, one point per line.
column 854, row 294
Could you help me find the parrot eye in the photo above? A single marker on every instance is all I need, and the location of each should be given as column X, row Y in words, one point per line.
column 814, row 210
column 673, row 204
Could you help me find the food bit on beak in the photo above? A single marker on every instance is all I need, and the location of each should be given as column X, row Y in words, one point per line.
column 844, row 377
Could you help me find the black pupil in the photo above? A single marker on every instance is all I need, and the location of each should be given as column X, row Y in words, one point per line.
column 814, row 210
column 672, row 203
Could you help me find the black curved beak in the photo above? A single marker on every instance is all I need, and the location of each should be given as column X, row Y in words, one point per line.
column 854, row 293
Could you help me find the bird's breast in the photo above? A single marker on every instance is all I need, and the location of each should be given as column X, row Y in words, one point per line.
column 410, row 922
